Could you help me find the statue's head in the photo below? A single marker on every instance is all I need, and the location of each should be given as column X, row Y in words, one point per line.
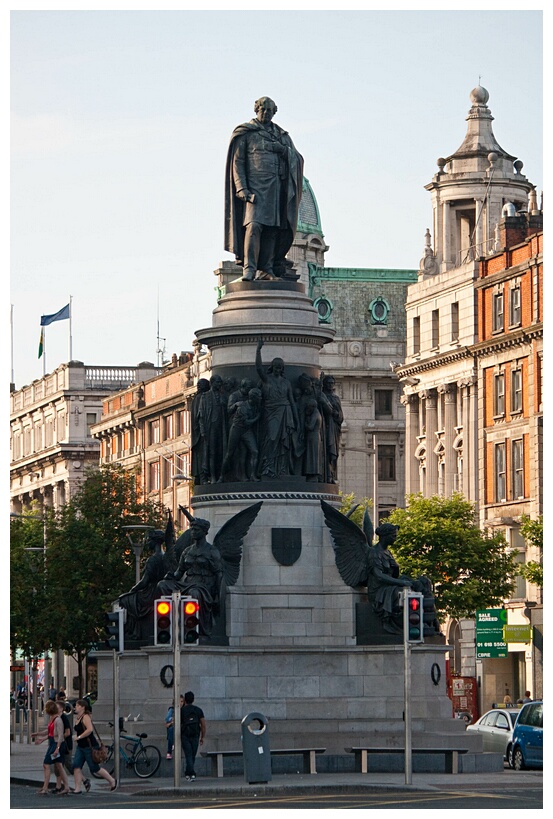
column 255, row 396
column 245, row 386
column 155, row 539
column 329, row 383
column 200, row 526
column 265, row 109
column 216, row 383
column 277, row 366
column 310, row 406
column 387, row 533
column 203, row 385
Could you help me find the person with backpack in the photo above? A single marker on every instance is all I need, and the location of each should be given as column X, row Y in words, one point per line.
column 192, row 723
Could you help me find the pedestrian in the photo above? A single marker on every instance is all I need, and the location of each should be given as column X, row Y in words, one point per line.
column 55, row 752
column 192, row 723
column 527, row 697
column 170, row 726
column 86, row 741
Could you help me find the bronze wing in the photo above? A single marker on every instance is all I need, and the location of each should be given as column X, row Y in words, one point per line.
column 229, row 539
column 350, row 546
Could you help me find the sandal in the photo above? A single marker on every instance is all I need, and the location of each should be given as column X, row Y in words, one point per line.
column 114, row 785
column 86, row 783
column 43, row 793
column 76, row 793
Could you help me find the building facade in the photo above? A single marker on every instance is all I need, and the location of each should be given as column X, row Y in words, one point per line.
column 459, row 363
column 50, row 430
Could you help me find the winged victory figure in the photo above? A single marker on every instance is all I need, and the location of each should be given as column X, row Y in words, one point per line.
column 205, row 569
column 360, row 563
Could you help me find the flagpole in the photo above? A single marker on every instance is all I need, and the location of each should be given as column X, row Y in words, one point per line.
column 11, row 342
column 43, row 351
column 70, row 328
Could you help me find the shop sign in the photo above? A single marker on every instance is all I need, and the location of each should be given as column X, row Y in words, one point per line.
column 521, row 633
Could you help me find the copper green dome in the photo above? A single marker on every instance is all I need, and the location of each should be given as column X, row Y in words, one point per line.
column 309, row 220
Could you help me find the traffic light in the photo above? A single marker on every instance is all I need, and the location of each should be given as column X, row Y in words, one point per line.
column 190, row 621
column 114, row 626
column 414, row 624
column 163, row 622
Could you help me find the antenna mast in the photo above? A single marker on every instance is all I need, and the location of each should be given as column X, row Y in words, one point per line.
column 161, row 351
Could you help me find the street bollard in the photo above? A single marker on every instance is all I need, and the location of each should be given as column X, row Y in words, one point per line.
column 256, row 749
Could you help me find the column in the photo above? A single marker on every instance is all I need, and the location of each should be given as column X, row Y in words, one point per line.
column 467, row 446
column 450, row 397
column 412, row 479
column 446, row 238
column 431, row 397
column 472, row 423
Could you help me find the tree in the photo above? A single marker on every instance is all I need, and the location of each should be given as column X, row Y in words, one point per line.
column 349, row 503
column 29, row 630
column 88, row 564
column 532, row 532
column 438, row 538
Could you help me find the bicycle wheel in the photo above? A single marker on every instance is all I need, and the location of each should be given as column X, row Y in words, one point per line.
column 147, row 761
column 109, row 764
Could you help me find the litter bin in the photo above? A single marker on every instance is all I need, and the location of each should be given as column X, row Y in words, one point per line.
column 255, row 748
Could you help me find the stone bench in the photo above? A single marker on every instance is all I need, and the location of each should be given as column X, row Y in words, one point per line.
column 451, row 755
column 308, row 755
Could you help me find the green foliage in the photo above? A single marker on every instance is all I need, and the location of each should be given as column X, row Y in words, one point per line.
column 532, row 532
column 438, row 538
column 349, row 502
column 29, row 629
column 89, row 563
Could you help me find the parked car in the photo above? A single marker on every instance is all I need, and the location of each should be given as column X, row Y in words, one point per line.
column 527, row 742
column 496, row 728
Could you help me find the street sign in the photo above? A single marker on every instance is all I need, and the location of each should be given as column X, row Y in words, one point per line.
column 489, row 633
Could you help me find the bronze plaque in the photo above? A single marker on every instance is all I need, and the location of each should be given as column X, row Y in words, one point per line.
column 286, row 545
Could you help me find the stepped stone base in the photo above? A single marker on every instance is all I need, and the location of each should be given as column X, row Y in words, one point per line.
column 326, row 697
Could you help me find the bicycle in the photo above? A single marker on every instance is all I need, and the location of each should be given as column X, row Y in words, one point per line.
column 145, row 759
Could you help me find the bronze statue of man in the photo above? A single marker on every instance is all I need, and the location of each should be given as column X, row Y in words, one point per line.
column 264, row 178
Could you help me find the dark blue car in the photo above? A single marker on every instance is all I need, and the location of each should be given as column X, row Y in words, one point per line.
column 527, row 742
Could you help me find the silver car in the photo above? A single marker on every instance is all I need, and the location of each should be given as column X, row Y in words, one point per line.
column 496, row 729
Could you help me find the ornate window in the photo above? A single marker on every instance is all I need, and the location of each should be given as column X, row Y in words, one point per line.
column 379, row 309
column 324, row 308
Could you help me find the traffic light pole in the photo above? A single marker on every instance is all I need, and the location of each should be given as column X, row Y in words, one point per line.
column 407, row 690
column 177, row 748
column 116, row 712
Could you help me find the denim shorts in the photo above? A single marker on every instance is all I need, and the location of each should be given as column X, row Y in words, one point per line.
column 83, row 755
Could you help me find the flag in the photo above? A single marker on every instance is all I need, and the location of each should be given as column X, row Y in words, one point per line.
column 59, row 316
column 41, row 344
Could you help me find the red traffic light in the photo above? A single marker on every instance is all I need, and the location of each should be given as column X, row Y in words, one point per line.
column 414, row 603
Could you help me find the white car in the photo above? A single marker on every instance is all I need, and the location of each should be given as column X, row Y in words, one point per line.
column 496, row 728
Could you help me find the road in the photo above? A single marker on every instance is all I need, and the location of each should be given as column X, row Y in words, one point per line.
column 468, row 798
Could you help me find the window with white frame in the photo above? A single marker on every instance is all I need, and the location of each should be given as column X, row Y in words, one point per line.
column 498, row 315
column 517, row 468
column 153, row 476
column 516, row 390
column 500, row 473
column 154, row 431
column 499, row 394
column 515, row 311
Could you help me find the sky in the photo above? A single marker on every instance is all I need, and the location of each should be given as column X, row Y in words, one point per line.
column 120, row 124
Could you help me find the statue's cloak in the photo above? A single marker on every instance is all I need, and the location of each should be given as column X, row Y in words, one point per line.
column 234, row 207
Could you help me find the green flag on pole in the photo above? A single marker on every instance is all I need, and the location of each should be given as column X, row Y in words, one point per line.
column 41, row 342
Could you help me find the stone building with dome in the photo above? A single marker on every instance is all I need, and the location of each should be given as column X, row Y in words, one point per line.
column 472, row 372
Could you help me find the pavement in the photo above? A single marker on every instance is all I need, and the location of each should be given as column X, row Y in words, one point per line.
column 26, row 769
